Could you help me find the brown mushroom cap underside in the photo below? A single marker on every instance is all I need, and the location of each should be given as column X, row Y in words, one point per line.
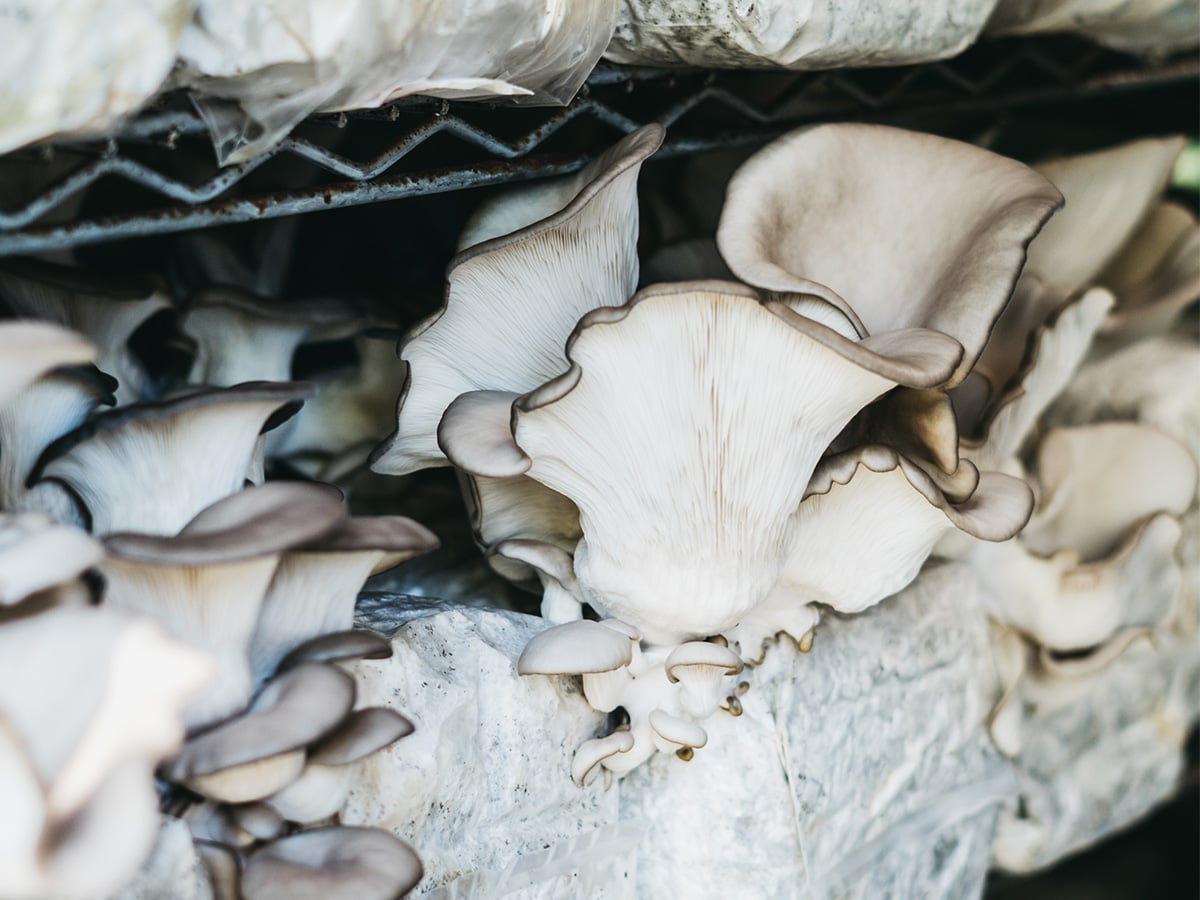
column 293, row 711
column 335, row 863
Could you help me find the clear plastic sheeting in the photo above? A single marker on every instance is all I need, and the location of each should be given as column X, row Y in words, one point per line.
column 260, row 66
column 73, row 67
column 1137, row 26
column 813, row 34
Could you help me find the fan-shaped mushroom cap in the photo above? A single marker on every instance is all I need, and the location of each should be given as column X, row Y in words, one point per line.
column 815, row 213
column 105, row 308
column 586, row 764
column 316, row 583
column 337, row 863
column 240, row 337
column 151, row 467
column 672, row 554
column 206, row 584
column 575, row 648
column 701, row 667
column 1055, row 352
column 36, row 554
column 44, row 411
column 29, row 350
column 674, row 733
column 525, row 290
column 1108, row 193
column 339, row 646
column 261, row 751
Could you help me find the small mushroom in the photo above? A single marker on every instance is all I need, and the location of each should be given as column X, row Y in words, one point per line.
column 336, row 863
column 575, row 648
column 260, row 752
column 330, row 771
column 151, row 467
column 588, row 759
column 315, row 586
column 673, row 734
column 701, row 668
column 259, row 820
column 206, row 585
column 337, row 646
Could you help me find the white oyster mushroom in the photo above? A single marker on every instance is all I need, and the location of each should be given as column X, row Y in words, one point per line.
column 240, row 337
column 37, row 555
column 206, row 585
column 106, row 309
column 260, row 752
column 589, row 758
column 29, row 350
column 58, row 402
column 701, row 669
column 77, row 751
column 338, row 647
column 151, row 467
column 524, row 290
column 814, row 213
column 331, row 769
column 316, row 583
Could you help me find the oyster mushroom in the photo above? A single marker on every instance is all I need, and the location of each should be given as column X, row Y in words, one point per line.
column 151, row 467
column 78, row 745
column 330, row 769
column 701, row 668
column 673, row 734
column 316, row 583
column 588, row 759
column 336, row 863
column 579, row 257
column 106, row 309
column 340, row 646
column 206, row 585
column 58, row 402
column 240, row 337
column 261, row 751
column 815, row 214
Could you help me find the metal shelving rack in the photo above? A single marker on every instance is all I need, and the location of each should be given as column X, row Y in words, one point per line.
column 420, row 146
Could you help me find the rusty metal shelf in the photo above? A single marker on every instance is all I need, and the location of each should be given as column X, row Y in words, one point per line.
column 166, row 181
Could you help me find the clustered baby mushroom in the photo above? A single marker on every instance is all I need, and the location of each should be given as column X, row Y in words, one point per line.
column 215, row 572
column 701, row 464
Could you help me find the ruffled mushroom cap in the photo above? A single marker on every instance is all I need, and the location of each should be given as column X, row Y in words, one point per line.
column 58, row 402
column 1055, row 351
column 1108, row 195
column 340, row 646
column 36, row 554
column 687, row 566
column 263, row 750
column 330, row 771
column 525, row 290
column 316, row 583
column 240, row 337
column 151, row 467
column 28, row 350
column 1098, row 557
column 336, row 863
column 105, row 308
column 77, row 753
column 815, row 213
column 206, row 585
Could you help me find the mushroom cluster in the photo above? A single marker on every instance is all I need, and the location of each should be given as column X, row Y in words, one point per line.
column 207, row 611
column 705, row 464
column 1103, row 444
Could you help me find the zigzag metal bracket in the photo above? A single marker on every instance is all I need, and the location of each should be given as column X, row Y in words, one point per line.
column 165, row 180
